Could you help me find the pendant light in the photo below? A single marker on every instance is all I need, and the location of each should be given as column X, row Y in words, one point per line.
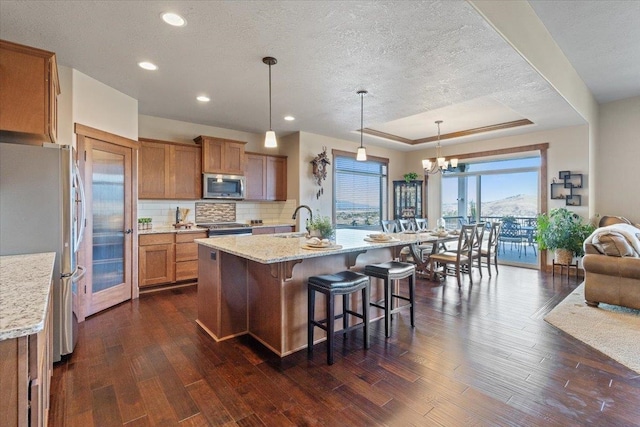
column 440, row 163
column 362, row 153
column 270, row 137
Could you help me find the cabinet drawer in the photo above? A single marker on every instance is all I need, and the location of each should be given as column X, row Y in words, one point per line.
column 186, row 252
column 284, row 229
column 156, row 239
column 187, row 269
column 190, row 237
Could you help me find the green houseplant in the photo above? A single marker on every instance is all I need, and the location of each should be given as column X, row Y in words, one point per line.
column 563, row 232
column 410, row 176
column 322, row 227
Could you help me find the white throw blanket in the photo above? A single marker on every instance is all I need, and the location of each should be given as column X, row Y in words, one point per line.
column 631, row 233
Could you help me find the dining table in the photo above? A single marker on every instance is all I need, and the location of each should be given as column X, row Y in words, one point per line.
column 438, row 244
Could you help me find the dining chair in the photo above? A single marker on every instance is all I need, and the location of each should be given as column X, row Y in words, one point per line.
column 490, row 248
column 421, row 224
column 511, row 233
column 389, row 226
column 405, row 225
column 476, row 250
column 460, row 258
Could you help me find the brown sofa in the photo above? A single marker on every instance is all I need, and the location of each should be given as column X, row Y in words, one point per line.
column 612, row 264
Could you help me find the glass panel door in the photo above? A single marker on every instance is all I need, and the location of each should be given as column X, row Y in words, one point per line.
column 108, row 220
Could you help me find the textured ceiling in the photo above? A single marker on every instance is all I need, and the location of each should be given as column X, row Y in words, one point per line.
column 421, row 60
column 601, row 39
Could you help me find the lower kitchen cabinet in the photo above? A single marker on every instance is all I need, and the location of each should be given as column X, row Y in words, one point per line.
column 167, row 258
column 26, row 365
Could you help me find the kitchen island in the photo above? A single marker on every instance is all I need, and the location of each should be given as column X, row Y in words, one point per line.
column 257, row 285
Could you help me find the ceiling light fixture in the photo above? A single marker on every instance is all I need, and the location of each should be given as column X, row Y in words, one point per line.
column 203, row 98
column 148, row 65
column 289, row 118
column 174, row 19
column 362, row 152
column 431, row 167
column 270, row 140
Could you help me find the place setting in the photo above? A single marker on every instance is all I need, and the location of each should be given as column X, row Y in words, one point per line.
column 380, row 238
column 317, row 244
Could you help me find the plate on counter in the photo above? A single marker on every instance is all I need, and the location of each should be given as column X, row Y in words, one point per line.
column 321, row 247
column 392, row 239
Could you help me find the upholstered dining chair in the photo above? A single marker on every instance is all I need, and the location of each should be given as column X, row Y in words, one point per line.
column 424, row 249
column 460, row 258
column 421, row 224
column 490, row 247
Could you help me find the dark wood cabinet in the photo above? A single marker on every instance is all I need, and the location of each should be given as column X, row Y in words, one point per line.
column 29, row 88
column 169, row 170
column 272, row 230
column 266, row 177
column 407, row 199
column 222, row 156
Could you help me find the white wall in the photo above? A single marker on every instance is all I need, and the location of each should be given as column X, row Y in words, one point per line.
column 99, row 106
column 568, row 150
column 619, row 153
column 65, row 107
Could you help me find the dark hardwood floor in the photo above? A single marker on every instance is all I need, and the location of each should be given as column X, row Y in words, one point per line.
column 479, row 355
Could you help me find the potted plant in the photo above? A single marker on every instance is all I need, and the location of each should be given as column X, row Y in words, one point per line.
column 563, row 232
column 322, row 227
column 410, row 176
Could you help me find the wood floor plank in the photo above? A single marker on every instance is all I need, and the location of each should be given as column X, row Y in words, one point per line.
column 478, row 355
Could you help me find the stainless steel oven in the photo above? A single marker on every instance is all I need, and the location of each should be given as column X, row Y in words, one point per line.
column 219, row 229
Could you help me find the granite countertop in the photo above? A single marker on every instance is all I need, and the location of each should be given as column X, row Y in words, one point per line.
column 268, row 249
column 195, row 229
column 25, row 284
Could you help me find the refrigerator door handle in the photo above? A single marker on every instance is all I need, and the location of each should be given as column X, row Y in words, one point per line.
column 83, row 207
column 78, row 274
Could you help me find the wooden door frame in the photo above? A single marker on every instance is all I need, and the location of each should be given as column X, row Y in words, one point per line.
column 542, row 148
column 83, row 132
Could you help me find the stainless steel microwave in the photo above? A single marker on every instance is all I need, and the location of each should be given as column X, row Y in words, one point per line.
column 215, row 186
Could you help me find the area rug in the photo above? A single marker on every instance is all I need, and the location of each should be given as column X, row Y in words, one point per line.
column 613, row 330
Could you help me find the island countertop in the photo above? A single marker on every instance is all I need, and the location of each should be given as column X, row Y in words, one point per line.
column 25, row 283
column 273, row 248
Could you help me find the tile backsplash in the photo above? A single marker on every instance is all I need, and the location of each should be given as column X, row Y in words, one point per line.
column 163, row 212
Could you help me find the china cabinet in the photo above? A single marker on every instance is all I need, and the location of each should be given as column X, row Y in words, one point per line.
column 407, row 199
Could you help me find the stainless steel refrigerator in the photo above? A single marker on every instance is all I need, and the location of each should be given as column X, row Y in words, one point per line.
column 42, row 210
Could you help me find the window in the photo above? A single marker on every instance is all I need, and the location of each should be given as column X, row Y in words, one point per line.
column 360, row 191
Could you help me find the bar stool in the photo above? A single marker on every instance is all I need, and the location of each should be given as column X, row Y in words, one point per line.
column 390, row 271
column 344, row 283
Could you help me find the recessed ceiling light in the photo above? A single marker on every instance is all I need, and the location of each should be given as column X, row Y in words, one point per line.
column 174, row 19
column 147, row 65
column 289, row 118
column 203, row 98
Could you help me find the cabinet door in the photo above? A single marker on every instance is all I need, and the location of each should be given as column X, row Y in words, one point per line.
column 28, row 90
column 233, row 156
column 212, row 154
column 263, row 230
column 255, row 176
column 276, row 178
column 186, row 172
column 153, row 164
column 156, row 264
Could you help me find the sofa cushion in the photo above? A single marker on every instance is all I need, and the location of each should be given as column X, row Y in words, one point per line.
column 613, row 243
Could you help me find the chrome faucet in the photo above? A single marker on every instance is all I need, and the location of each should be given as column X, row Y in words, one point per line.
column 295, row 213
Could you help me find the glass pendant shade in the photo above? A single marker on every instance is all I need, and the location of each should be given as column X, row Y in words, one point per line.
column 454, row 163
column 361, row 156
column 426, row 164
column 270, row 139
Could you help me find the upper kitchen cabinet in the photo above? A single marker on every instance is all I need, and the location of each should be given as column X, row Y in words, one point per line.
column 222, row 156
column 28, row 94
column 169, row 170
column 266, row 177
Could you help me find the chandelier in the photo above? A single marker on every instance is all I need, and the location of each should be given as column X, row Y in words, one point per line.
column 440, row 164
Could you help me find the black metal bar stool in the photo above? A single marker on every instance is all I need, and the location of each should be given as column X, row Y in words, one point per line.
column 390, row 271
column 344, row 283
